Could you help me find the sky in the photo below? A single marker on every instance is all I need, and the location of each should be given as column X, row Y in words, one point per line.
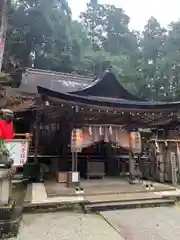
column 165, row 11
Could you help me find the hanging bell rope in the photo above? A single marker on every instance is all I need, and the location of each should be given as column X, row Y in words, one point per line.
column 110, row 130
column 90, row 130
column 100, row 131
column 157, row 147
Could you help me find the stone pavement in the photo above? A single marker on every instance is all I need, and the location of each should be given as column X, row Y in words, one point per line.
column 146, row 224
column 66, row 226
column 135, row 224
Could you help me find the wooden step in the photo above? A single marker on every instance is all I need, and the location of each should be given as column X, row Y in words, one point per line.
column 98, row 207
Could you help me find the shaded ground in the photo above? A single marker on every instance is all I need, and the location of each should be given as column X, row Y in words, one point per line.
column 146, row 224
column 65, row 226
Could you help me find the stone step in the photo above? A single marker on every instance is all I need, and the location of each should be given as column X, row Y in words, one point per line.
column 97, row 207
column 28, row 195
column 122, row 197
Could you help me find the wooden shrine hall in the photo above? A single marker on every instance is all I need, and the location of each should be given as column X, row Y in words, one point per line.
column 93, row 127
column 99, row 127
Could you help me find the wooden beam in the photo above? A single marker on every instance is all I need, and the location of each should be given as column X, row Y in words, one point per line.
column 164, row 140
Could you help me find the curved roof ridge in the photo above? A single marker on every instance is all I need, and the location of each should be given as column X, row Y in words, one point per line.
column 107, row 86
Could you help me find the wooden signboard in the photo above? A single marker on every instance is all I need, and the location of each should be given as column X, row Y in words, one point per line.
column 18, row 150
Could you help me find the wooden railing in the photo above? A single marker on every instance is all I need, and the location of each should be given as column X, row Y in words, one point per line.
column 23, row 135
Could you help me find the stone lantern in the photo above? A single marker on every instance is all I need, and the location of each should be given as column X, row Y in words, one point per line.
column 9, row 220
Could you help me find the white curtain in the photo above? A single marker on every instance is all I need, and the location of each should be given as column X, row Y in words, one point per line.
column 87, row 136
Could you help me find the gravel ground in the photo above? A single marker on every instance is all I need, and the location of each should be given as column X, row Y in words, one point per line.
column 66, row 226
column 146, row 224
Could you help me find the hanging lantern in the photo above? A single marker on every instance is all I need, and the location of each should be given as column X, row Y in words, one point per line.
column 136, row 144
column 76, row 139
column 79, row 136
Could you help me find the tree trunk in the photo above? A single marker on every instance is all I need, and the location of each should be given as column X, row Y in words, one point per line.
column 3, row 28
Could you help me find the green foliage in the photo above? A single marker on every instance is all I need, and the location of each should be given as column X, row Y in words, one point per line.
column 41, row 34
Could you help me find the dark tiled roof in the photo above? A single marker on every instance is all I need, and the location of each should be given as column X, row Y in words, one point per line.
column 60, row 82
column 23, row 98
column 105, row 88
column 110, row 102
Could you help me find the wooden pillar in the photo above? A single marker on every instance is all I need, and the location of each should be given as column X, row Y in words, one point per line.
column 75, row 154
column 131, row 163
column 152, row 159
column 166, row 163
column 66, row 138
column 74, row 162
column 160, row 164
column 131, row 158
column 173, row 168
column 37, row 128
column 178, row 162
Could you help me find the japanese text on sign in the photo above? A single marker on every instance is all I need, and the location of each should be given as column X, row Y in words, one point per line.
column 18, row 150
column 22, row 151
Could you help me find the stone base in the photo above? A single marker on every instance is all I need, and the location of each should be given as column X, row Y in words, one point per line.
column 10, row 218
column 5, row 186
column 9, row 229
column 6, row 211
